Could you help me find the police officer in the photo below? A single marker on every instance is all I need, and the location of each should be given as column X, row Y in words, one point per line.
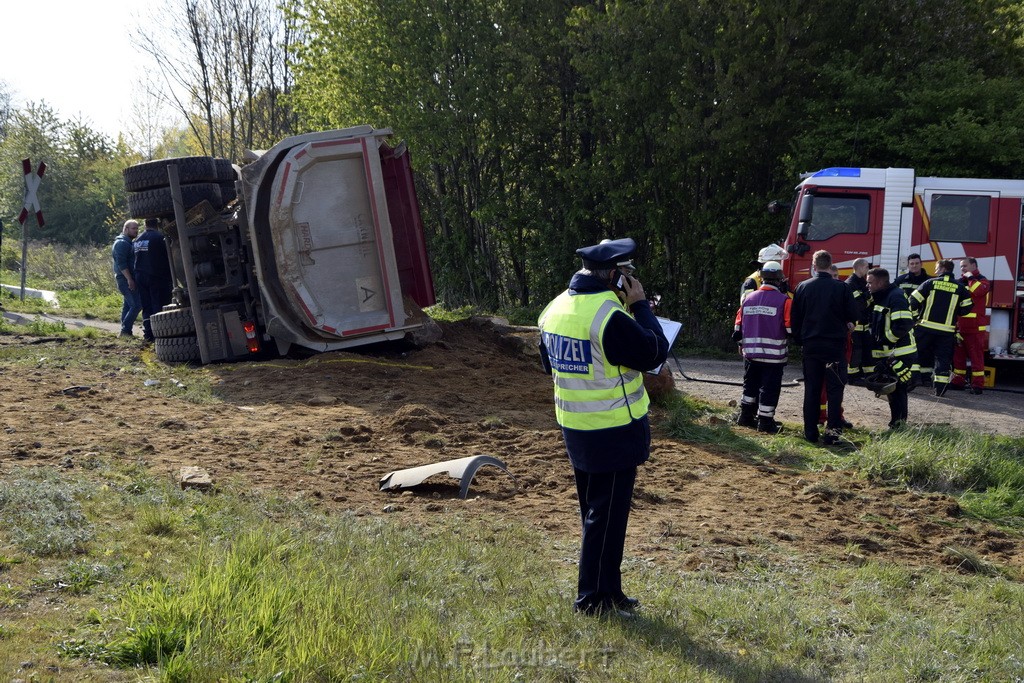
column 772, row 252
column 937, row 303
column 914, row 277
column 860, row 364
column 123, row 255
column 973, row 328
column 892, row 329
column 597, row 339
column 153, row 273
column 762, row 329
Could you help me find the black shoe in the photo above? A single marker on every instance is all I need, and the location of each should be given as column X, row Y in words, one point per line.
column 956, row 387
column 627, row 603
column 768, row 425
column 603, row 610
column 940, row 389
column 811, row 436
column 976, row 391
column 847, row 425
column 832, row 437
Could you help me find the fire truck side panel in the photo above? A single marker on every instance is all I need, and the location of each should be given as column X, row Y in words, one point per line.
column 884, row 215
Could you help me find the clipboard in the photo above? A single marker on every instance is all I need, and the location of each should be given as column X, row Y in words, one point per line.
column 671, row 328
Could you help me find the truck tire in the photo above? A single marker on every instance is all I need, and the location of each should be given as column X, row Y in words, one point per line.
column 177, row 349
column 157, row 203
column 176, row 322
column 227, row 192
column 153, row 174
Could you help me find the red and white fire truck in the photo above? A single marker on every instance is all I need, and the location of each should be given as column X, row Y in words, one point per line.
column 883, row 214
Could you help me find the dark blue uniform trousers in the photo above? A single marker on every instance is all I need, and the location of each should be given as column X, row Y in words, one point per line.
column 824, row 363
column 604, row 510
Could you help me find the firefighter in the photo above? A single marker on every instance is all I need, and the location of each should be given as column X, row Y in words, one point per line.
column 860, row 363
column 973, row 329
column 772, row 252
column 823, row 413
column 763, row 329
column 937, row 303
column 914, row 277
column 892, row 331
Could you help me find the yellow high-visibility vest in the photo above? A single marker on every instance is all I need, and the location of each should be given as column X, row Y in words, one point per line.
column 590, row 393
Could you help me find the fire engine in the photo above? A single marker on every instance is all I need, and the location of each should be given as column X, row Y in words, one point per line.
column 884, row 214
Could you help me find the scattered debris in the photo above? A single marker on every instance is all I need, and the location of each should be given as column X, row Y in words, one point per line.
column 195, row 478
column 463, row 469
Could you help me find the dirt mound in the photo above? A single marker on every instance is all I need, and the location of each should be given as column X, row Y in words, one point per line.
column 328, row 428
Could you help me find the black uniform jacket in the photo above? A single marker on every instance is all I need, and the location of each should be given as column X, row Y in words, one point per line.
column 822, row 306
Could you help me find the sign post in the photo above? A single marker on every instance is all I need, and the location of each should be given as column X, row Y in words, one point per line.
column 32, row 181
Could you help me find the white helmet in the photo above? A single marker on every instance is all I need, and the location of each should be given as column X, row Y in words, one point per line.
column 772, row 252
column 771, row 271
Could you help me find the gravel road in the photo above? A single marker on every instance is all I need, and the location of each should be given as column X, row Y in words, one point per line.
column 996, row 411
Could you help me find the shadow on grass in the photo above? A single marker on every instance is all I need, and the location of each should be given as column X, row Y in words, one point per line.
column 660, row 634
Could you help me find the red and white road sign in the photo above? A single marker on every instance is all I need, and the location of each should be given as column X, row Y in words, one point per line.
column 32, row 181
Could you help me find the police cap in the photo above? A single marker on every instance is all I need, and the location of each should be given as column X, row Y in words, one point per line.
column 608, row 254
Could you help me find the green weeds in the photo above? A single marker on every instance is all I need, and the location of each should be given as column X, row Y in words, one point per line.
column 41, row 513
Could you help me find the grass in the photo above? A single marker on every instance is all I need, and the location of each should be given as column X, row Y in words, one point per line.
column 183, row 587
column 984, row 471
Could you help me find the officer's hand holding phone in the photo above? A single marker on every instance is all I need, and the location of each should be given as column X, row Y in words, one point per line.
column 631, row 290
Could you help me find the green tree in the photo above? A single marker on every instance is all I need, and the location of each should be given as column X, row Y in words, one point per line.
column 82, row 185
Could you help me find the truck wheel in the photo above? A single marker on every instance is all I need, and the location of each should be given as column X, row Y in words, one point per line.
column 153, row 174
column 176, row 322
column 157, row 203
column 177, row 349
column 227, row 192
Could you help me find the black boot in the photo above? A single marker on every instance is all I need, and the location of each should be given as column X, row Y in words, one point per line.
column 747, row 415
column 768, row 425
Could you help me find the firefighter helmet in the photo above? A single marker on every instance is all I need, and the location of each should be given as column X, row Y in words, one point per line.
column 772, row 252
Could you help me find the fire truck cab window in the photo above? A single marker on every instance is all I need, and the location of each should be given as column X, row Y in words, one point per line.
column 960, row 218
column 836, row 215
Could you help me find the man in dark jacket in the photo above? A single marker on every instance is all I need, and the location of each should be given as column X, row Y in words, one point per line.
column 892, row 328
column 597, row 339
column 914, row 277
column 823, row 313
column 153, row 273
column 937, row 304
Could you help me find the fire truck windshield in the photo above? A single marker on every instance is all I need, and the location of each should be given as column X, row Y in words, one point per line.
column 839, row 214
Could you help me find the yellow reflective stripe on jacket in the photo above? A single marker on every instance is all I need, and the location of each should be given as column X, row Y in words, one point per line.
column 590, row 393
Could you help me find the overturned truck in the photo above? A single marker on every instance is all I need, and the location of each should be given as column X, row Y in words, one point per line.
column 317, row 244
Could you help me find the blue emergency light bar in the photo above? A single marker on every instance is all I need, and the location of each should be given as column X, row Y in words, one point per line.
column 838, row 172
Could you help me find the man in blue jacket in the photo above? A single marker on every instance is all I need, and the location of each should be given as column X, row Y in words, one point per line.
column 123, row 255
column 153, row 273
column 597, row 339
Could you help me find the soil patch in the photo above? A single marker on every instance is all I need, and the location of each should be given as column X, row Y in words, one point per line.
column 329, row 427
